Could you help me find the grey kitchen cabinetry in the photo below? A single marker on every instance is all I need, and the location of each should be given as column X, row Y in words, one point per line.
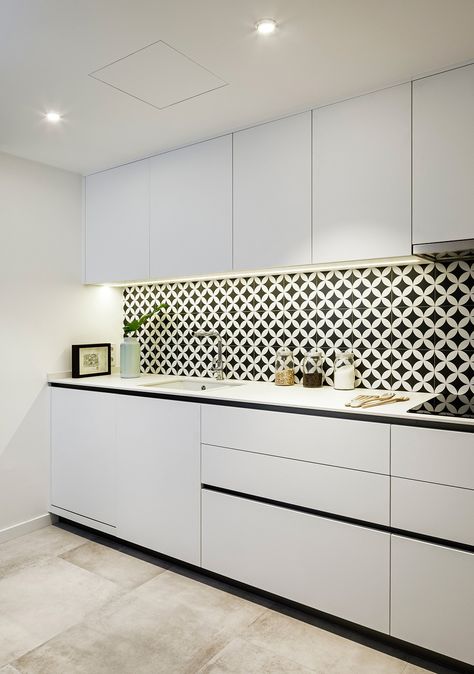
column 191, row 210
column 272, row 194
column 117, row 224
column 362, row 177
column 443, row 156
column 83, row 456
column 432, row 597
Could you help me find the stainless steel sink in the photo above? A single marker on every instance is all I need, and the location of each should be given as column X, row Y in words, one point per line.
column 191, row 384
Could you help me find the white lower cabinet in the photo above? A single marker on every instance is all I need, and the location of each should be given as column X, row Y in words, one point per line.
column 158, row 476
column 83, row 454
column 351, row 493
column 433, row 509
column 335, row 567
column 432, row 597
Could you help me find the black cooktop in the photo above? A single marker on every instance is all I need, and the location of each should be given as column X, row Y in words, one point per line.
column 448, row 405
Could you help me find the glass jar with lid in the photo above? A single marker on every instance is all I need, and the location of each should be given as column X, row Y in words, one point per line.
column 344, row 371
column 284, row 367
column 313, row 368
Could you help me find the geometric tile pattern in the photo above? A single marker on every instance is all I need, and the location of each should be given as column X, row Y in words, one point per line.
column 410, row 328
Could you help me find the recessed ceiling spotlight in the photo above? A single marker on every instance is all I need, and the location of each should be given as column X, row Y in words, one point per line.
column 53, row 117
column 265, row 26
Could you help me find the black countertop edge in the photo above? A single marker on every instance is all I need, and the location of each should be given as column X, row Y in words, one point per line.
column 422, row 422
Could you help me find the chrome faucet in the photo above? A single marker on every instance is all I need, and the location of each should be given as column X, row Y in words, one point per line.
column 217, row 367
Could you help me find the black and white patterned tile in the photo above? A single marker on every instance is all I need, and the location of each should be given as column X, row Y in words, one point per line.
column 373, row 367
column 454, row 372
column 411, row 328
column 413, row 285
column 301, row 291
column 413, row 370
column 335, row 289
column 372, row 288
column 455, row 283
column 372, row 327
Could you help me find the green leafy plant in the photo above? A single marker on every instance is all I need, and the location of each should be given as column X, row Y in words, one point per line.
column 135, row 325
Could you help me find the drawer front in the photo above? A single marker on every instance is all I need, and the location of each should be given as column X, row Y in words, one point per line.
column 432, row 597
column 338, row 442
column 351, row 493
column 433, row 509
column 339, row 568
column 444, row 457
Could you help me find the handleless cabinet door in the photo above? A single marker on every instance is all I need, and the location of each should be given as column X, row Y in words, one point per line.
column 158, row 476
column 83, row 456
column 191, row 210
column 272, row 194
column 332, row 566
column 117, row 224
column 362, row 177
column 432, row 597
column 443, row 156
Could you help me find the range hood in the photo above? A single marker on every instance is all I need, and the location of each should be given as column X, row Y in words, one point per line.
column 445, row 250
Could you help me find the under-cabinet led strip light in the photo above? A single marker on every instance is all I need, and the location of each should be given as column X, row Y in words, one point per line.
column 354, row 264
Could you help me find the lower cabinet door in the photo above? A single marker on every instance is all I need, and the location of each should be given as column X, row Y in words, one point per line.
column 158, row 475
column 83, row 454
column 339, row 568
column 432, row 602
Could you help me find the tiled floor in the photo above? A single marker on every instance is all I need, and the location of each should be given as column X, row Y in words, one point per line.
column 75, row 603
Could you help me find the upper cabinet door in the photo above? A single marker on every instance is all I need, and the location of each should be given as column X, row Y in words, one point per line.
column 191, row 210
column 117, row 224
column 362, row 177
column 443, row 157
column 272, row 194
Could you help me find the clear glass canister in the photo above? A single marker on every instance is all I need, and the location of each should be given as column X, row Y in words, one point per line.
column 313, row 369
column 344, row 371
column 284, row 367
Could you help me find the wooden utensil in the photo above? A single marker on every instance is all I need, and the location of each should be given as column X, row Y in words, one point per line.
column 360, row 401
column 377, row 403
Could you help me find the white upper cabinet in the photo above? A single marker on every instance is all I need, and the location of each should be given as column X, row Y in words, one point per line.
column 191, row 210
column 362, row 185
column 272, row 194
column 117, row 224
column 443, row 157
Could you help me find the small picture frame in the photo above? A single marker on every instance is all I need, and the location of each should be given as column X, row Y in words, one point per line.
column 90, row 360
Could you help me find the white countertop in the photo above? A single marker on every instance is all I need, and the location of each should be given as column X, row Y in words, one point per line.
column 264, row 393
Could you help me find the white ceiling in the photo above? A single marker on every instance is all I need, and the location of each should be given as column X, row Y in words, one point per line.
column 324, row 50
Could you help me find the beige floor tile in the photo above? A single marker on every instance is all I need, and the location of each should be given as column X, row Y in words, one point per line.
column 413, row 669
column 131, row 636
column 51, row 596
column 317, row 649
column 14, row 641
column 211, row 604
column 241, row 657
column 37, row 546
column 123, row 569
column 176, row 625
column 8, row 669
column 81, row 650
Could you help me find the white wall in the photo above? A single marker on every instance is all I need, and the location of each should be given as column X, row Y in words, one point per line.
column 43, row 310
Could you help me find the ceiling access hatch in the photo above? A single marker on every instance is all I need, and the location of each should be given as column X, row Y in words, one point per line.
column 159, row 75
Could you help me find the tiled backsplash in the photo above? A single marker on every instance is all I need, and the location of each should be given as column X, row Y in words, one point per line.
column 409, row 327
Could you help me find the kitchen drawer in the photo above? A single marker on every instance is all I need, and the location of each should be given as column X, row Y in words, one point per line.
column 352, row 493
column 432, row 455
column 339, row 442
column 433, row 509
column 339, row 568
column 432, row 597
